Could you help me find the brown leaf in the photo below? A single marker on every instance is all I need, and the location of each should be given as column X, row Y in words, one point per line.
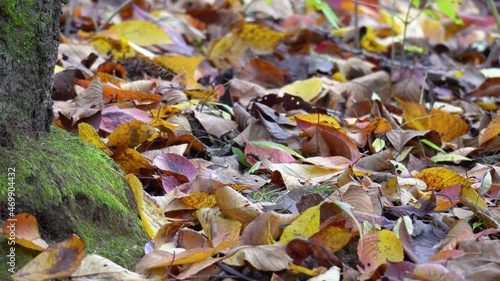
column 234, row 205
column 264, row 73
column 480, row 261
column 57, row 261
column 264, row 257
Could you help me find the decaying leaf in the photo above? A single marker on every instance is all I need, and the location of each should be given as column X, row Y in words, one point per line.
column 57, row 261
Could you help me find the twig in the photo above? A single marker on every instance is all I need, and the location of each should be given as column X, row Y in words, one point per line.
column 494, row 12
column 113, row 15
column 357, row 42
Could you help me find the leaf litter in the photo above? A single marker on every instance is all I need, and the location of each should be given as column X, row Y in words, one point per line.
column 262, row 144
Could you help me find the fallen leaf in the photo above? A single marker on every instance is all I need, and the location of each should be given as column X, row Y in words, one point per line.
column 264, row 257
column 448, row 125
column 306, row 225
column 142, row 32
column 378, row 247
column 96, row 267
column 438, row 178
column 130, row 134
column 23, row 230
column 57, row 261
column 151, row 214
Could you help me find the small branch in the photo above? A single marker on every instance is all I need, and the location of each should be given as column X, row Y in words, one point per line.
column 113, row 15
column 494, row 12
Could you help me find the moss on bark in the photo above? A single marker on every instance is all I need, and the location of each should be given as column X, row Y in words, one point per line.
column 71, row 187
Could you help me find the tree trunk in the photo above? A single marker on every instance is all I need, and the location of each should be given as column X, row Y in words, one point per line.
column 68, row 185
column 29, row 36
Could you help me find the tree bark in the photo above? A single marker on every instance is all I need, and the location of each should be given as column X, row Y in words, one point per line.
column 29, row 36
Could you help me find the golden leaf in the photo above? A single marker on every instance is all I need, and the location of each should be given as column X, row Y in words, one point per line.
column 142, row 33
column 199, row 200
column 438, row 178
column 131, row 134
column 179, row 64
column 88, row 134
column 449, row 126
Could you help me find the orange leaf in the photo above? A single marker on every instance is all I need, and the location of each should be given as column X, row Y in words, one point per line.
column 492, row 131
column 119, row 94
column 377, row 126
column 449, row 126
column 24, row 229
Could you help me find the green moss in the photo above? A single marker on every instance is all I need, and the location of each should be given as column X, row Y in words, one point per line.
column 71, row 187
column 18, row 25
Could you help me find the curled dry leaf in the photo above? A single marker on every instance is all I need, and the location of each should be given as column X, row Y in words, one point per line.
column 265, row 227
column 151, row 214
column 264, row 257
column 235, row 206
column 489, row 137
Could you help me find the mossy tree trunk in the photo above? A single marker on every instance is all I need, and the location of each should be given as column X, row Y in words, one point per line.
column 68, row 185
column 29, row 37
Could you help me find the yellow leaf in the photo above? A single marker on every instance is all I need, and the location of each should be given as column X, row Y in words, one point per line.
column 118, row 48
column 199, row 200
column 179, row 64
column 378, row 126
column 317, row 119
column 438, row 178
column 297, row 269
column 130, row 160
column 469, row 192
column 306, row 225
column 88, row 134
column 142, row 33
column 162, row 124
column 492, row 130
column 261, row 38
column 224, row 53
column 131, row 134
column 150, row 213
column 306, row 89
column 449, row 126
column 333, row 237
column 165, row 111
column 377, row 247
column 369, row 41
